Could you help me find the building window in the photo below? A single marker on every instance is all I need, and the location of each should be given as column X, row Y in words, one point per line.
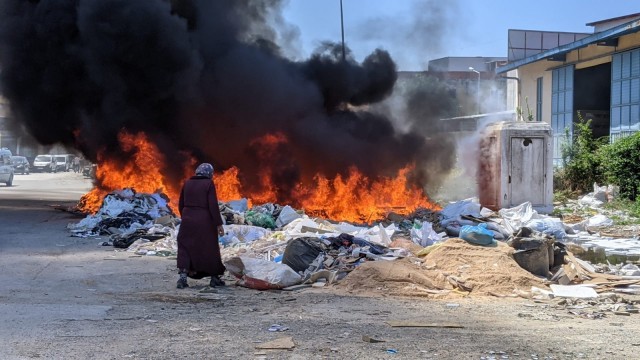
column 561, row 109
column 539, row 99
column 625, row 94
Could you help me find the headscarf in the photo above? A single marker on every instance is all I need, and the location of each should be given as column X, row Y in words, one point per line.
column 205, row 169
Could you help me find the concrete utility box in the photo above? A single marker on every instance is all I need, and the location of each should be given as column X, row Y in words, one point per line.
column 516, row 166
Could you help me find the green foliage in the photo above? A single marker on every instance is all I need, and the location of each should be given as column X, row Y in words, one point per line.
column 628, row 207
column 529, row 113
column 581, row 159
column 562, row 197
column 621, row 165
column 520, row 113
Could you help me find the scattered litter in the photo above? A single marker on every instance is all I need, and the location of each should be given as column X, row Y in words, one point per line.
column 270, row 246
column 277, row 328
column 413, row 323
column 369, row 339
column 573, row 291
column 285, row 343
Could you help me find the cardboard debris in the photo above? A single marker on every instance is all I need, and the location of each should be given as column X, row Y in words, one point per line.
column 285, row 343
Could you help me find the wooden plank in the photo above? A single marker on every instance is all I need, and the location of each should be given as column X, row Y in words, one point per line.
column 278, row 344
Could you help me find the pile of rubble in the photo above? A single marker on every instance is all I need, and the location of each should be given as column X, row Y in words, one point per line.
column 462, row 249
column 140, row 222
column 590, row 224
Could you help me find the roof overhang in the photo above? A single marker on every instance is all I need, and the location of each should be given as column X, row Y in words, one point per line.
column 559, row 53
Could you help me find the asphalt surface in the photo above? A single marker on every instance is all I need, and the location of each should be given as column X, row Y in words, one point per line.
column 64, row 297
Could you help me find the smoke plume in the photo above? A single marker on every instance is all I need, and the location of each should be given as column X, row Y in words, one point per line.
column 205, row 77
column 416, row 36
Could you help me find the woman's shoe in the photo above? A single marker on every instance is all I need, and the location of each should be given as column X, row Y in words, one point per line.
column 216, row 281
column 182, row 283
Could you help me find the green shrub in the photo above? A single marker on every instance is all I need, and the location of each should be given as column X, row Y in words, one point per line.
column 621, row 165
column 581, row 159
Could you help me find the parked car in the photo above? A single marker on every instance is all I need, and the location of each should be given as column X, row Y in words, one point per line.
column 64, row 162
column 89, row 170
column 20, row 164
column 6, row 169
column 61, row 162
column 44, row 163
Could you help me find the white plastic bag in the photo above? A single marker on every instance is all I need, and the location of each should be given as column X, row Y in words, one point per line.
column 469, row 206
column 599, row 220
column 548, row 226
column 262, row 274
column 246, row 233
column 425, row 235
column 378, row 234
column 515, row 217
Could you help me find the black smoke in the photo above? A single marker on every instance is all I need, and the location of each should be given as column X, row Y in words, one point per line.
column 206, row 77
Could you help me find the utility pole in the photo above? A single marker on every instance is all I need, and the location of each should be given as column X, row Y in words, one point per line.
column 342, row 30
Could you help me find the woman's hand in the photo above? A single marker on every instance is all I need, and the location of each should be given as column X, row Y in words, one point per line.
column 220, row 230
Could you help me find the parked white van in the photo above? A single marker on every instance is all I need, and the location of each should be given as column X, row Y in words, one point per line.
column 44, row 163
column 64, row 162
column 6, row 169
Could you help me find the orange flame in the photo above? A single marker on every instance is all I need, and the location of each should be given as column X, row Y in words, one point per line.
column 353, row 198
column 143, row 173
column 358, row 198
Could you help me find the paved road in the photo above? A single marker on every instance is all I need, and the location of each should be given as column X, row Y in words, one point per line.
column 62, row 186
column 63, row 297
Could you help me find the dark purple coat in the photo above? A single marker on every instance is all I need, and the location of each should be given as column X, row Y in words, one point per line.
column 198, row 248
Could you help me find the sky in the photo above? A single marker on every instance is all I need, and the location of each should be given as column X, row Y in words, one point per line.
column 416, row 31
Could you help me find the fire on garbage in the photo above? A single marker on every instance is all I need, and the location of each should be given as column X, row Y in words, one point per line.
column 354, row 197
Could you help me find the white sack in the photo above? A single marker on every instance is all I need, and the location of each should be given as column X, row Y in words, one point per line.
column 274, row 274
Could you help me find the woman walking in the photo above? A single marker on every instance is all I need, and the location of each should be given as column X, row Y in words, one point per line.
column 198, row 248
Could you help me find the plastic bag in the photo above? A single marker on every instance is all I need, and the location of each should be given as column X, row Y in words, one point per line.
column 377, row 234
column 301, row 252
column 239, row 205
column 478, row 235
column 517, row 217
column 548, row 226
column 228, row 240
column 599, row 220
column 260, row 219
column 246, row 233
column 262, row 274
column 469, row 206
column 424, row 235
column 287, row 215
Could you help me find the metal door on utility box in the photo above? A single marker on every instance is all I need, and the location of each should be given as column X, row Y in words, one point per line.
column 526, row 170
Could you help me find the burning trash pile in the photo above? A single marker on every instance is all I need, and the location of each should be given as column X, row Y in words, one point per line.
column 132, row 220
column 462, row 249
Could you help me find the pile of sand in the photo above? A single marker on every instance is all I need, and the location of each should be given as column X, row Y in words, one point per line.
column 455, row 267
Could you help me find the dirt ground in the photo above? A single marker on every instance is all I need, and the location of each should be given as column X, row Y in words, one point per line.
column 68, row 298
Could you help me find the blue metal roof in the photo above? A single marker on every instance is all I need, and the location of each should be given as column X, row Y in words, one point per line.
column 624, row 29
